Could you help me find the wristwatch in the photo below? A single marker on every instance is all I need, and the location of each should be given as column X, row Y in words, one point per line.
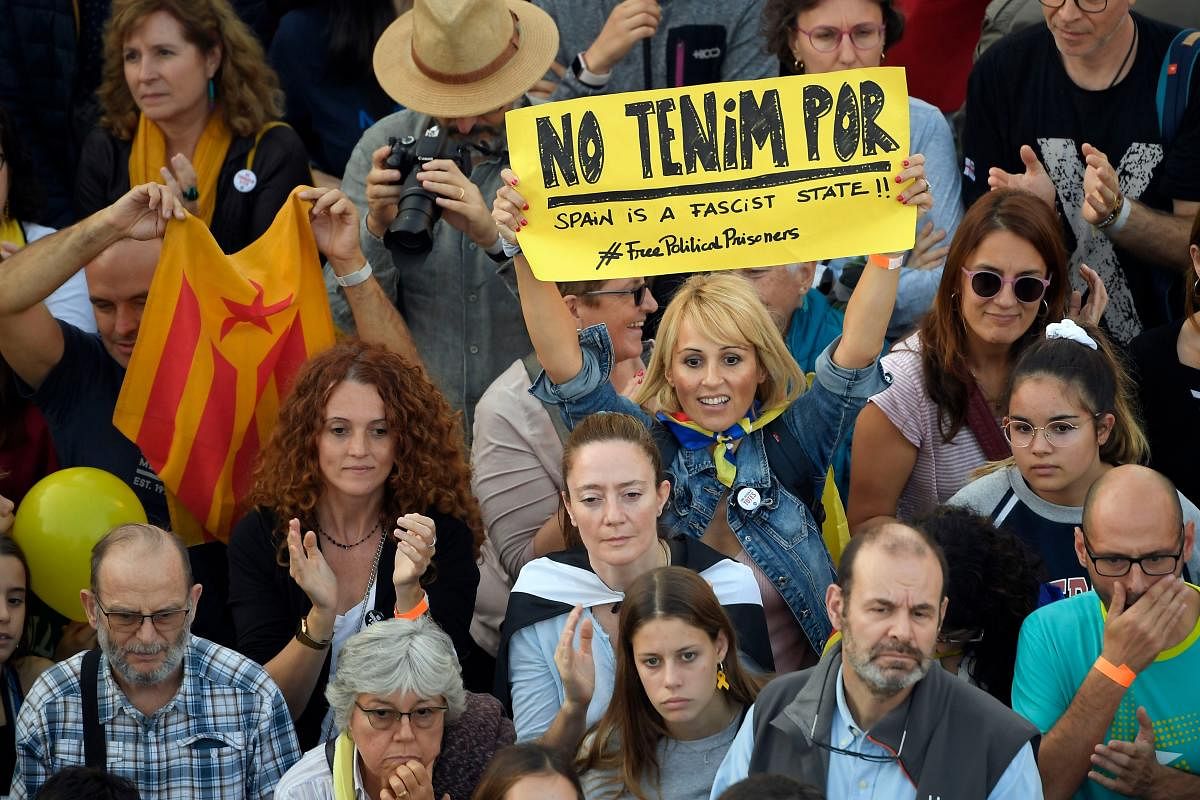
column 303, row 638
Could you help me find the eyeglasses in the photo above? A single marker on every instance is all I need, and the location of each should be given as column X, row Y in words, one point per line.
column 638, row 292
column 1086, row 6
column 384, row 719
column 1026, row 288
column 1115, row 566
column 826, row 38
column 868, row 757
column 961, row 636
column 167, row 621
column 1059, row 433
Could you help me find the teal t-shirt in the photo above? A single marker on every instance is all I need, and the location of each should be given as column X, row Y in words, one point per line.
column 1058, row 645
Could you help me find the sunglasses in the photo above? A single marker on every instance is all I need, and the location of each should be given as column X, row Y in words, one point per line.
column 1026, row 288
column 638, row 292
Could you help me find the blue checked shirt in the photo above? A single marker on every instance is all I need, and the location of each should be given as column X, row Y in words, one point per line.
column 225, row 734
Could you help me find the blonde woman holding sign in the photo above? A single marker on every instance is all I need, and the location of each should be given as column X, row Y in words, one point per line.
column 720, row 378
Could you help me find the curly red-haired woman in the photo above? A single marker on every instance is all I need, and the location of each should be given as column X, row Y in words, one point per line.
column 367, row 458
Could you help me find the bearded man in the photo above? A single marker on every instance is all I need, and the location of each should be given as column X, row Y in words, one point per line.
column 176, row 715
column 874, row 718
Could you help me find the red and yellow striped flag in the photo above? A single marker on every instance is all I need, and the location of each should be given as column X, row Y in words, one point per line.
column 220, row 340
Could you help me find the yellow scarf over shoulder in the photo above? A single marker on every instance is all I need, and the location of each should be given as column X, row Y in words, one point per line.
column 149, row 155
column 11, row 231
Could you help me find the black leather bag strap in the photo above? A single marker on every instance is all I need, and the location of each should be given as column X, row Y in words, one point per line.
column 95, row 750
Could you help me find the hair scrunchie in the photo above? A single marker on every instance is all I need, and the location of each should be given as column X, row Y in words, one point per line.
column 1067, row 329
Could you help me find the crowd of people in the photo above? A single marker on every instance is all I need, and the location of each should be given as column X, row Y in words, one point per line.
column 500, row 542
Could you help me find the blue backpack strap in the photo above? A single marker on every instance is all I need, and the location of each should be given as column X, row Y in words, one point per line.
column 1175, row 82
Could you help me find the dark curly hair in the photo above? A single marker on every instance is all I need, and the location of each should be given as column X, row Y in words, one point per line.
column 779, row 25
column 247, row 89
column 993, row 586
column 431, row 468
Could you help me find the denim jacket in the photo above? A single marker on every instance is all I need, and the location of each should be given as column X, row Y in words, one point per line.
column 779, row 534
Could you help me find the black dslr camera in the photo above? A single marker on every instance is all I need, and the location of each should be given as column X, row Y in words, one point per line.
column 412, row 232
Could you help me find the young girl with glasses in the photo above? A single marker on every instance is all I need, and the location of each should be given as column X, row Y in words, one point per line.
column 1069, row 419
column 917, row 442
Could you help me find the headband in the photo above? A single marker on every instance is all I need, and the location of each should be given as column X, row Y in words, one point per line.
column 1067, row 329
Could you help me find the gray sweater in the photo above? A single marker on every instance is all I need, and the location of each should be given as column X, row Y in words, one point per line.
column 686, row 769
column 697, row 41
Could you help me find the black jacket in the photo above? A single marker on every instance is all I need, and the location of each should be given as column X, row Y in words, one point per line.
column 280, row 165
column 267, row 604
column 49, row 95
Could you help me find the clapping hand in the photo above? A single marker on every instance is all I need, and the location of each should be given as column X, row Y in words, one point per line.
column 576, row 667
column 310, row 570
column 416, row 543
column 1097, row 298
column 1132, row 765
column 1034, row 179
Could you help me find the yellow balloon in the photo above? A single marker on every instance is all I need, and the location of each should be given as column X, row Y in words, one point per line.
column 59, row 521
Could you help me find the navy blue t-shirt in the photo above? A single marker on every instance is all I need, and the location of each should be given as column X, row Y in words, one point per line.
column 77, row 399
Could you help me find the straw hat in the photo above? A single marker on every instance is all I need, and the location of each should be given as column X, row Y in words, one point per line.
column 461, row 58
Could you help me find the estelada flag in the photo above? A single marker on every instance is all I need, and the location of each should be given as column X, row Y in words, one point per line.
column 220, row 340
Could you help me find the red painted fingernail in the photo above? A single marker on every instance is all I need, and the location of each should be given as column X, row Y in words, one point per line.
column 905, row 162
column 524, row 222
column 899, row 179
column 902, row 200
column 514, row 181
column 525, row 207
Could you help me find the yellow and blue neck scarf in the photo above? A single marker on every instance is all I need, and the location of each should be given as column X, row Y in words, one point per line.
column 694, row 437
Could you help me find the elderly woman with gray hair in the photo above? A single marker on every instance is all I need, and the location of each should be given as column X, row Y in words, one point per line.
column 408, row 728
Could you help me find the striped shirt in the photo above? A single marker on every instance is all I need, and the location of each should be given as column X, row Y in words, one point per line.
column 942, row 467
column 226, row 733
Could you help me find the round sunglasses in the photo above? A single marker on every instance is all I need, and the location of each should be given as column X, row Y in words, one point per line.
column 1026, row 288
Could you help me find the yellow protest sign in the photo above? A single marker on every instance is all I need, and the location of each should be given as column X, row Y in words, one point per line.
column 738, row 174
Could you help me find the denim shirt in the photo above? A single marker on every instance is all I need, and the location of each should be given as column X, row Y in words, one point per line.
column 779, row 534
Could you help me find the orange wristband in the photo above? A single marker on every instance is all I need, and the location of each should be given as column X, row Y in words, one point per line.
column 1122, row 675
column 416, row 611
column 885, row 262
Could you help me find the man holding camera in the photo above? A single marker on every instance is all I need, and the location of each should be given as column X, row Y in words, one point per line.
column 420, row 178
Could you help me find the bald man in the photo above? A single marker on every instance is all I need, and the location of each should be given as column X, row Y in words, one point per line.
column 1109, row 676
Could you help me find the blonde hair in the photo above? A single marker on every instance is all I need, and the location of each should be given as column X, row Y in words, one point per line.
column 725, row 308
column 247, row 88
